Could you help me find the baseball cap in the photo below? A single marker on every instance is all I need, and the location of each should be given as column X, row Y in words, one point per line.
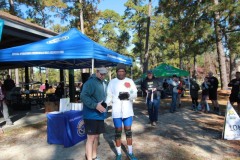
column 149, row 72
column 121, row 66
column 102, row 70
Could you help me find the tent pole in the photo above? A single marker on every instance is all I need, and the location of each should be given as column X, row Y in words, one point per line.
column 92, row 65
column 71, row 85
column 131, row 73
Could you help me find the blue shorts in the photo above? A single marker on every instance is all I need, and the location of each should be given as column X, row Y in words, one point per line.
column 127, row 122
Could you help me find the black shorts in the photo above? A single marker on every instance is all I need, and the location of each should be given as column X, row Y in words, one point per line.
column 212, row 95
column 93, row 127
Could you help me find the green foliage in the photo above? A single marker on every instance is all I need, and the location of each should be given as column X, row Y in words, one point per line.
column 188, row 31
column 113, row 32
column 12, row 9
column 90, row 17
column 59, row 29
column 38, row 11
column 179, row 30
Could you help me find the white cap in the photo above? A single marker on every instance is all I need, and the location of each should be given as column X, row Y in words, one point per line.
column 102, row 70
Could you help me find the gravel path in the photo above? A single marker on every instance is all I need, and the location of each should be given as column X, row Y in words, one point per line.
column 182, row 135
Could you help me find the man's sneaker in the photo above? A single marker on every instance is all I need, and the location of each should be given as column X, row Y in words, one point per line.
column 153, row 123
column 96, row 158
column 119, row 157
column 132, row 157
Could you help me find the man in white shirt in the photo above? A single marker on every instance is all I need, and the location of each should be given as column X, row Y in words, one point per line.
column 121, row 92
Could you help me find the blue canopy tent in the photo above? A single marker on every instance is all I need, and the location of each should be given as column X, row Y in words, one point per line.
column 70, row 50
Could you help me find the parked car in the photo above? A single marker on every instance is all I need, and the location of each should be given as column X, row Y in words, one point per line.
column 187, row 83
column 138, row 83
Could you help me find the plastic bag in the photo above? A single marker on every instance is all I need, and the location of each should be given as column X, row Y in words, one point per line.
column 199, row 107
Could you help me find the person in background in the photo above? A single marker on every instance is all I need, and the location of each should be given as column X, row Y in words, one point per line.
column 174, row 85
column 8, row 86
column 213, row 86
column 205, row 93
column 3, row 105
column 46, row 85
column 121, row 92
column 93, row 96
column 235, row 91
column 79, row 86
column 153, row 88
column 194, row 88
column 165, row 84
column 180, row 91
column 59, row 92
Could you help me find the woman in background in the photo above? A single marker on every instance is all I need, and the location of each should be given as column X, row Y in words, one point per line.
column 205, row 93
column 194, row 88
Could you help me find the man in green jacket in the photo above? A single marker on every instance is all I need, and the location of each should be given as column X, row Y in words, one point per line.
column 93, row 96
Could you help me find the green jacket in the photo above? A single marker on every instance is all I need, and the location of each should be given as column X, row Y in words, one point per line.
column 92, row 93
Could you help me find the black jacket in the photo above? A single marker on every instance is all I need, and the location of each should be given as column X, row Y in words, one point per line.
column 194, row 88
column 235, row 84
column 148, row 84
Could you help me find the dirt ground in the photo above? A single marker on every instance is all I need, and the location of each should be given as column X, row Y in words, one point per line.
column 182, row 135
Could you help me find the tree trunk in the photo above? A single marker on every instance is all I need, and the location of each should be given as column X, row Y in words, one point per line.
column 220, row 51
column 145, row 63
column 232, row 57
column 47, row 74
column 233, row 65
column 16, row 77
column 11, row 9
column 81, row 18
column 40, row 75
column 194, row 74
column 180, row 54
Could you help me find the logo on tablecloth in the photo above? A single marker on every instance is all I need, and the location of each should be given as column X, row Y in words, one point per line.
column 81, row 128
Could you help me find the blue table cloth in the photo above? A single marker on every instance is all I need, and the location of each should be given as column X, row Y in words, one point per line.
column 65, row 128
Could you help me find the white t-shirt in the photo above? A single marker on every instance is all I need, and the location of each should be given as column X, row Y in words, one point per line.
column 121, row 108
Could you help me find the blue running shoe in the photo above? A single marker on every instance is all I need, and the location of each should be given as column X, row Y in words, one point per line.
column 132, row 157
column 119, row 157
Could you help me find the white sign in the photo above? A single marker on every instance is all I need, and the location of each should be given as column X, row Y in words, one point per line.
column 64, row 105
column 76, row 106
column 232, row 124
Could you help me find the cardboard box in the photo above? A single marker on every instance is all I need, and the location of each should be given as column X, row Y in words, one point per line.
column 51, row 106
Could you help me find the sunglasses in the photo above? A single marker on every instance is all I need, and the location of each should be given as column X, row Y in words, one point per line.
column 103, row 74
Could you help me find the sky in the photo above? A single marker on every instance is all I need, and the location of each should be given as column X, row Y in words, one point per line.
column 117, row 5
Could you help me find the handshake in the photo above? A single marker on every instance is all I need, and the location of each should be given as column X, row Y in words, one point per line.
column 123, row 96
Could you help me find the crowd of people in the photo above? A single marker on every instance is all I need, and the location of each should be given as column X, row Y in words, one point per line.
column 120, row 93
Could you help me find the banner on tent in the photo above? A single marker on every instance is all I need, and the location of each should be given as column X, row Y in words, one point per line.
column 1, row 28
column 232, row 124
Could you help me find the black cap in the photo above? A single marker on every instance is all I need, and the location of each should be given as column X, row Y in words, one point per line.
column 149, row 72
column 121, row 66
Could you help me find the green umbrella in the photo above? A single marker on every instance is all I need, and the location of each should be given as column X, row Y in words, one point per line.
column 165, row 70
